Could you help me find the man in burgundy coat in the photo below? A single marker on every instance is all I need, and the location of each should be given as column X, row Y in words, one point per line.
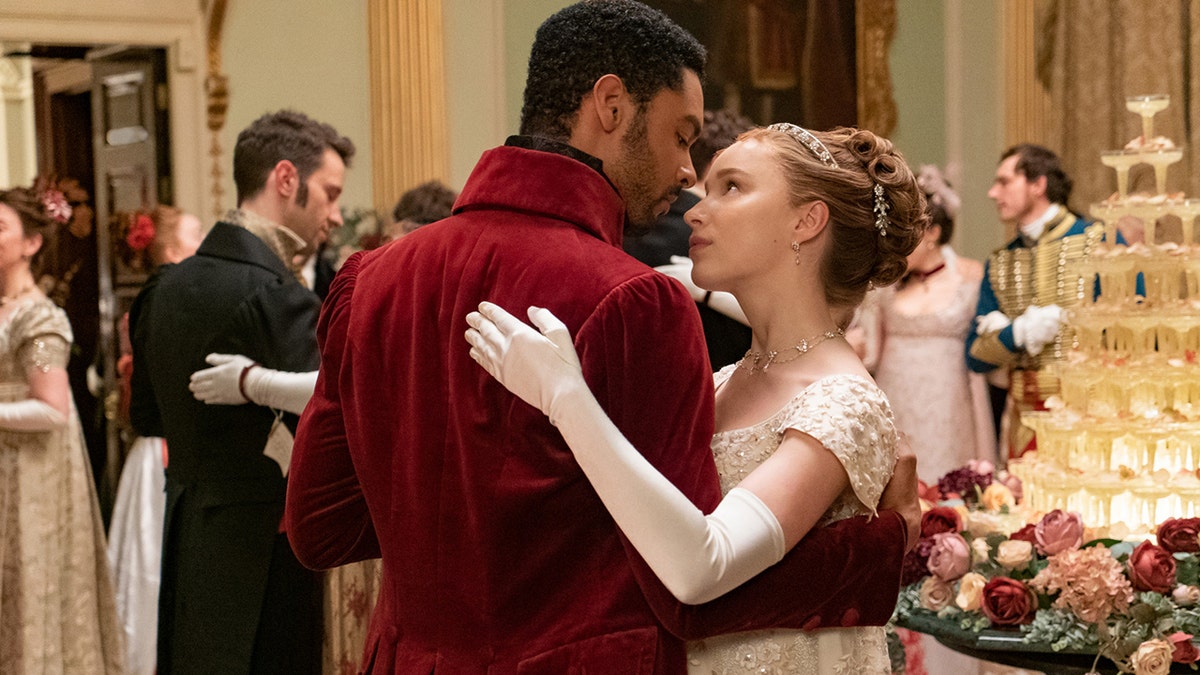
column 498, row 556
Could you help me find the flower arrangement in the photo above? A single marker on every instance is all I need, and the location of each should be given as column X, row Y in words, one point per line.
column 981, row 563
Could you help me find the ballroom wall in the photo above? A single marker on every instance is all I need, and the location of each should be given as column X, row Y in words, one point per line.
column 310, row 55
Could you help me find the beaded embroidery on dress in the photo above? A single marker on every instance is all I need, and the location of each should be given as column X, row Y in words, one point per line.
column 851, row 417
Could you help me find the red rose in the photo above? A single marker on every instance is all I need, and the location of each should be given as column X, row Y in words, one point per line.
column 940, row 519
column 1027, row 533
column 1182, row 649
column 1180, row 535
column 1151, row 568
column 929, row 493
column 1008, row 602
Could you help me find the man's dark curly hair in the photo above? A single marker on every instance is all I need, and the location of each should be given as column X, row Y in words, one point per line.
column 590, row 39
column 277, row 136
column 1035, row 161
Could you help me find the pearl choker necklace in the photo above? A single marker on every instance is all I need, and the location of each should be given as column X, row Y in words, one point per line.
column 759, row 362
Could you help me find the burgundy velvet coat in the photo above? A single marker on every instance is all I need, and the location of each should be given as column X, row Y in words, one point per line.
column 498, row 555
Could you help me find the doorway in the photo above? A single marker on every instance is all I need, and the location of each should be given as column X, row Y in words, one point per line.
column 103, row 138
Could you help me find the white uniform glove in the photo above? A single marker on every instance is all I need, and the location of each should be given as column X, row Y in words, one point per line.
column 680, row 269
column 1037, row 327
column 697, row 557
column 223, row 384
column 30, row 415
column 992, row 322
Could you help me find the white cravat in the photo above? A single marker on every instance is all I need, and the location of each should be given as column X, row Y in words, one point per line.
column 1033, row 229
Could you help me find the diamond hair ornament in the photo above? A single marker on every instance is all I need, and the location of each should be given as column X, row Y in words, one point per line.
column 881, row 211
column 814, row 144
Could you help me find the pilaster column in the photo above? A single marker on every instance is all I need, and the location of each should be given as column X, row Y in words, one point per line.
column 408, row 96
column 1026, row 99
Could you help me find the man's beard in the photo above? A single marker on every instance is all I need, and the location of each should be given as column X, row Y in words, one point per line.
column 634, row 173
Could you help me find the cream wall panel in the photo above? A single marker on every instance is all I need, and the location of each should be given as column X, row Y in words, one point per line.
column 309, row 55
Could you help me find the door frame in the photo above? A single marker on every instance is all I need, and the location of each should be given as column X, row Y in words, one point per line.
column 183, row 39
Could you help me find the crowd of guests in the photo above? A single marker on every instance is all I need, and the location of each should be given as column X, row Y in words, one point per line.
column 293, row 416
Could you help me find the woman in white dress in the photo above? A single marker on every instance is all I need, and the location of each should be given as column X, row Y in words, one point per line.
column 796, row 225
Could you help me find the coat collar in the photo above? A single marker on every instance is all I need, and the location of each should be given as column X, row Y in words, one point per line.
column 549, row 184
column 230, row 242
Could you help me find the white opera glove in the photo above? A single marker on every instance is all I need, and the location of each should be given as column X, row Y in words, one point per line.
column 280, row 389
column 992, row 322
column 697, row 557
column 30, row 414
column 221, row 384
column 225, row 384
column 680, row 269
column 1037, row 327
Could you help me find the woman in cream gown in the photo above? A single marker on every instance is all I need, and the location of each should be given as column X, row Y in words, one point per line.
column 796, row 225
column 57, row 613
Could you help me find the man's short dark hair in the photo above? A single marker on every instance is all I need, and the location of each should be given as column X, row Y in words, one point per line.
column 1035, row 161
column 590, row 39
column 721, row 128
column 428, row 202
column 277, row 136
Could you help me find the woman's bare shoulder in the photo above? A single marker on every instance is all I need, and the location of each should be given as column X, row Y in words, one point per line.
column 971, row 269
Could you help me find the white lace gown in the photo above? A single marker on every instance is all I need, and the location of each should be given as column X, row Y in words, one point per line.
column 851, row 417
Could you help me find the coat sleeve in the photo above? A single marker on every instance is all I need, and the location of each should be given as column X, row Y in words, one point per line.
column 995, row 349
column 144, row 414
column 643, row 350
column 326, row 514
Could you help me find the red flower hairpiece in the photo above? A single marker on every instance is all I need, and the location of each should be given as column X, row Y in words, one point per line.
column 141, row 232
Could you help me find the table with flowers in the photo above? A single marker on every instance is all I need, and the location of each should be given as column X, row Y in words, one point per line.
column 1037, row 591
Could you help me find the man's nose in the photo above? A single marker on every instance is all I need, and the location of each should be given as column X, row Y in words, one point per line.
column 687, row 174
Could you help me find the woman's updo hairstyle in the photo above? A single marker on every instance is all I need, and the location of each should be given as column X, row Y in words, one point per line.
column 858, row 255
column 33, row 215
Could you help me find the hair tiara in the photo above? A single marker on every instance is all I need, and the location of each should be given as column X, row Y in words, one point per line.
column 806, row 138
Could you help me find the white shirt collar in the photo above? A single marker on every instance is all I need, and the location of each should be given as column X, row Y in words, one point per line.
column 1035, row 227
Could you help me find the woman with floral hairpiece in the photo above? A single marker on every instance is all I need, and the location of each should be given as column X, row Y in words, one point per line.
column 796, row 225
column 913, row 334
column 57, row 613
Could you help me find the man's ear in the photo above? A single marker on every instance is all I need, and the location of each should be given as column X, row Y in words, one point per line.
column 286, row 178
column 609, row 102
column 1039, row 186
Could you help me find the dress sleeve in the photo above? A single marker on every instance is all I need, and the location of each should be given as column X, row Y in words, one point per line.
column 43, row 336
column 851, row 417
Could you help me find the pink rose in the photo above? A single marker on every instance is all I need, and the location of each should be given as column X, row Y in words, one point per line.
column 1186, row 596
column 1012, row 483
column 1182, row 649
column 1153, row 657
column 1179, row 535
column 940, row 519
column 1008, row 602
column 1058, row 531
column 950, row 556
column 1152, row 568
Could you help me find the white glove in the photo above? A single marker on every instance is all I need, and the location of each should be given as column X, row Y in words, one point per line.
column 1037, row 327
column 992, row 322
column 697, row 557
column 30, row 415
column 280, row 389
column 223, row 384
column 680, row 269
